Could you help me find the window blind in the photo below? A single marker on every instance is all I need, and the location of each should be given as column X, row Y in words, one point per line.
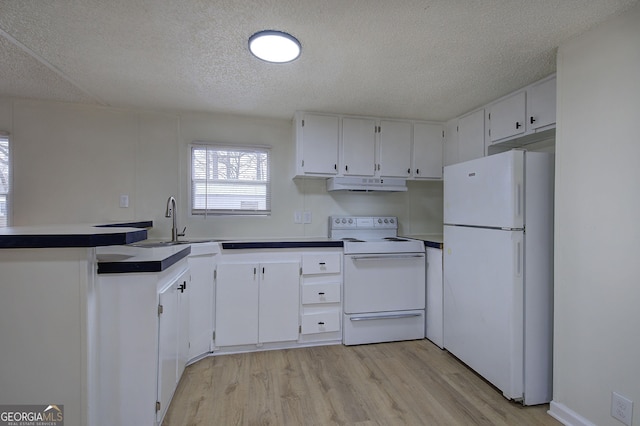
column 230, row 180
column 5, row 181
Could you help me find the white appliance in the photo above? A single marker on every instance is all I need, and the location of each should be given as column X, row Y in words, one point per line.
column 498, row 270
column 384, row 280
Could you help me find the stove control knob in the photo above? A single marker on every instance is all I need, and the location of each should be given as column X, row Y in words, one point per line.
column 386, row 221
column 379, row 220
column 391, row 220
column 350, row 221
column 344, row 220
column 337, row 220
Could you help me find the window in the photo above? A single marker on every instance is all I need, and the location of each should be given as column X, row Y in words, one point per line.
column 4, row 181
column 230, row 180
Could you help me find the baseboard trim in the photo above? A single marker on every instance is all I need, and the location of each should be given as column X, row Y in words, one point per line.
column 566, row 416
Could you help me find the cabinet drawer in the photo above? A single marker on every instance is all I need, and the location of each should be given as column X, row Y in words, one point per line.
column 321, row 263
column 321, row 322
column 320, row 293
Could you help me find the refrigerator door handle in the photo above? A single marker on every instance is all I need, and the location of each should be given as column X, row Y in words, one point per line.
column 519, row 200
column 518, row 259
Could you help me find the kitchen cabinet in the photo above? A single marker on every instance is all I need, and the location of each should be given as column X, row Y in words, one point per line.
column 358, row 147
column 507, row 117
column 427, row 154
column 434, row 302
column 173, row 338
column 202, row 264
column 257, row 303
column 317, row 140
column 321, row 297
column 471, row 136
column 450, row 155
column 142, row 342
column 395, row 149
column 541, row 107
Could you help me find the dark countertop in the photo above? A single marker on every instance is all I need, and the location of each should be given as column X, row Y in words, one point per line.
column 58, row 236
column 281, row 243
column 129, row 259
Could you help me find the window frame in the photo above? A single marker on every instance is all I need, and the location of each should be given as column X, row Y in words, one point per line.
column 195, row 213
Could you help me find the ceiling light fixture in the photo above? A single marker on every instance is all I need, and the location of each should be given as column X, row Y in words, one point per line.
column 274, row 46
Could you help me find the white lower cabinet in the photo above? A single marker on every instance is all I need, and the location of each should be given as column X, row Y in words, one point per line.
column 434, row 302
column 142, row 343
column 257, row 303
column 321, row 297
column 173, row 338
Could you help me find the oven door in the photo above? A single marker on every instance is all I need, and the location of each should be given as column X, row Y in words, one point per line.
column 384, row 282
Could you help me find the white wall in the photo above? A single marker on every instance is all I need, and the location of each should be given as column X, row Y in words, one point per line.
column 597, row 272
column 72, row 162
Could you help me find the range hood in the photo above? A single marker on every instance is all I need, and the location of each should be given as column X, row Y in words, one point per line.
column 366, row 184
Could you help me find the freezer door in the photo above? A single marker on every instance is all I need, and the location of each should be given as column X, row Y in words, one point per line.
column 486, row 191
column 483, row 303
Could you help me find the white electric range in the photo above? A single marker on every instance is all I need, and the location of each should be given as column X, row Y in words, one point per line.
column 384, row 280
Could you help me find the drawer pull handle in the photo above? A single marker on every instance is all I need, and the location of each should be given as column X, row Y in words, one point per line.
column 321, row 293
column 320, row 323
column 322, row 263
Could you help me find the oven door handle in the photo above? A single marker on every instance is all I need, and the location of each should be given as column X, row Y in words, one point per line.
column 388, row 316
column 388, row 256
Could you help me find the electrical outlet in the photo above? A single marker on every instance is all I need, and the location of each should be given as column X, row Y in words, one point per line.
column 621, row 408
column 297, row 216
column 306, row 217
column 124, row 201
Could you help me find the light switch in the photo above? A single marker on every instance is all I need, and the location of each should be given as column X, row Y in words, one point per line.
column 124, row 201
column 306, row 217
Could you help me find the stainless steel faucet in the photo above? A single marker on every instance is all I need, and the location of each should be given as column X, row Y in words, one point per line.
column 171, row 212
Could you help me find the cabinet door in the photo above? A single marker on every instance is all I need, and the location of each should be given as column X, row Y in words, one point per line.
column 184, row 297
column 427, row 150
column 319, row 144
column 395, row 149
column 358, row 146
column 542, row 104
column 434, row 315
column 167, row 346
column 471, row 136
column 201, row 304
column 237, row 304
column 279, row 301
column 451, row 142
column 507, row 117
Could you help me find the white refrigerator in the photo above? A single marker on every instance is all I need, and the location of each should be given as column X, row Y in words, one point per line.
column 498, row 270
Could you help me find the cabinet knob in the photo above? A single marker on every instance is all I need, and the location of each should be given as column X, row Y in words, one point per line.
column 346, row 168
column 417, row 171
column 321, row 293
column 408, row 171
column 322, row 263
column 532, row 120
column 320, row 323
column 518, row 125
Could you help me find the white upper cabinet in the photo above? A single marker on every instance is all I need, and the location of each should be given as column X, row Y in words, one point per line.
column 317, row 137
column 358, row 147
column 450, row 155
column 542, row 104
column 507, row 117
column 395, row 149
column 428, row 140
column 471, row 136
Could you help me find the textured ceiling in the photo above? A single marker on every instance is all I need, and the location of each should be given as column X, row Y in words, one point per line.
column 419, row 59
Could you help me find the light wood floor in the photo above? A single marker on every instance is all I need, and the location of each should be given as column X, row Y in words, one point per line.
column 402, row 383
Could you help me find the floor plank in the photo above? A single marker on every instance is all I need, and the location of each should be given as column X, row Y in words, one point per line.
column 411, row 383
